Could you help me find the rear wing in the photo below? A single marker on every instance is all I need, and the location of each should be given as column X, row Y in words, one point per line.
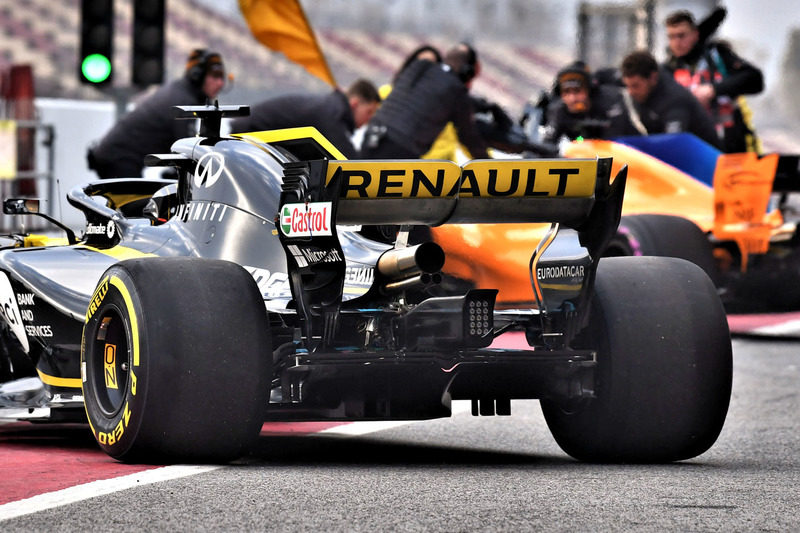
column 441, row 192
column 578, row 193
column 429, row 192
column 433, row 192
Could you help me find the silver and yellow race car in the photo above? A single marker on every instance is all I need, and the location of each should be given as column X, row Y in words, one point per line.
column 191, row 311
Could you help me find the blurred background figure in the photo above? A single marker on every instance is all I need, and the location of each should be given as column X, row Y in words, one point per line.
column 335, row 114
column 656, row 103
column 582, row 107
column 494, row 124
column 425, row 52
column 424, row 98
column 446, row 144
column 716, row 75
column 149, row 128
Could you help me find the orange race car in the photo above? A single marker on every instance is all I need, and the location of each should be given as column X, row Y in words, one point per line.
column 729, row 213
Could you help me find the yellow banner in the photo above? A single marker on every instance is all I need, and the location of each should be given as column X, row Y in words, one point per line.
column 281, row 25
column 8, row 149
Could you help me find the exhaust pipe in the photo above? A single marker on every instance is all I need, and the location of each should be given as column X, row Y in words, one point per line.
column 414, row 267
column 402, row 263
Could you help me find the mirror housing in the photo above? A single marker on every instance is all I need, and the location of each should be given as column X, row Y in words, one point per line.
column 28, row 206
column 21, row 206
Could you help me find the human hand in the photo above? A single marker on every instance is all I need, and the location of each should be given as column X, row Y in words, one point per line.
column 705, row 93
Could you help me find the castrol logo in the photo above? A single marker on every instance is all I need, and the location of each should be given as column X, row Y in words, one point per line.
column 306, row 220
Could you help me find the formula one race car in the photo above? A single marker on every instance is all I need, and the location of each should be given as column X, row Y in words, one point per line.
column 191, row 311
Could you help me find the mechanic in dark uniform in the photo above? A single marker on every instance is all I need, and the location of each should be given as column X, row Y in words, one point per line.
column 425, row 97
column 149, row 128
column 656, row 103
column 717, row 77
column 581, row 105
column 335, row 114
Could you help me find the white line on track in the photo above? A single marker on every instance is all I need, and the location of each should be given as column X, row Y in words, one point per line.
column 42, row 502
column 785, row 329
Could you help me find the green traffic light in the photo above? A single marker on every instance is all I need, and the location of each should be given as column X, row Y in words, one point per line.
column 96, row 68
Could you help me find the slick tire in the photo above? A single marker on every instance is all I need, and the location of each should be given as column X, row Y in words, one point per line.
column 664, row 236
column 176, row 360
column 664, row 366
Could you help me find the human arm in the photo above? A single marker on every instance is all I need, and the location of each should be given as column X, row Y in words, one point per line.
column 464, row 121
column 682, row 112
column 341, row 138
column 739, row 76
column 554, row 122
column 500, row 117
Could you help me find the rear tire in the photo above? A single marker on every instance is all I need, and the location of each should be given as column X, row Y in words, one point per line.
column 176, row 360
column 664, row 236
column 664, row 370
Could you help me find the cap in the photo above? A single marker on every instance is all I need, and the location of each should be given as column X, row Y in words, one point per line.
column 572, row 81
column 574, row 76
column 202, row 62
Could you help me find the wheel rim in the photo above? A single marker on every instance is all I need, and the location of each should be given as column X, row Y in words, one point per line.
column 110, row 368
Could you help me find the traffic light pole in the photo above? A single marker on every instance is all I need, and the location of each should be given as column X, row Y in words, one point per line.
column 122, row 96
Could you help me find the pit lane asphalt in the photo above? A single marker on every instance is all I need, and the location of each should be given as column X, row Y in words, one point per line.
column 486, row 474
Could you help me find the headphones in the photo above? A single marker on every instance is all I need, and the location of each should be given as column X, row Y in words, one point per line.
column 197, row 64
column 467, row 70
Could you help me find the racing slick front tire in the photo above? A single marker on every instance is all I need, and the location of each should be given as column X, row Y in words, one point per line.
column 664, row 236
column 176, row 360
column 664, row 366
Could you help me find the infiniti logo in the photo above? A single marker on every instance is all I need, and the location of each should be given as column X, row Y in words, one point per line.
column 209, row 169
